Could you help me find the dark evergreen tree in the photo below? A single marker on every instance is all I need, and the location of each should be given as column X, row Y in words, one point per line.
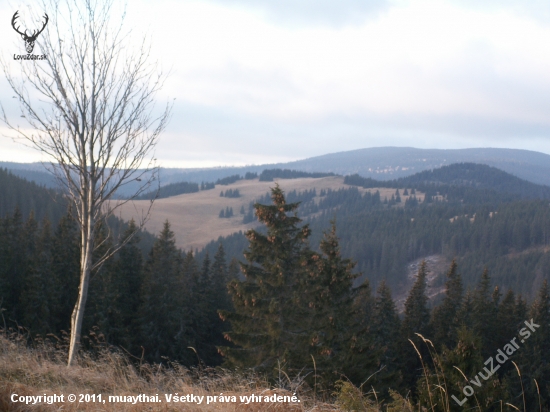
column 465, row 358
column 386, row 329
column 466, row 311
column 266, row 323
column 485, row 315
column 233, row 270
column 339, row 316
column 416, row 320
column 445, row 319
column 125, row 283
column 194, row 309
column 14, row 265
column 66, row 272
column 534, row 359
column 38, row 286
column 164, row 322
column 507, row 321
column 417, row 314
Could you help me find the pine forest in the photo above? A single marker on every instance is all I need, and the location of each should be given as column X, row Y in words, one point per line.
column 311, row 293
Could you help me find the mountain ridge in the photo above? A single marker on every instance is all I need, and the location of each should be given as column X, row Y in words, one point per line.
column 381, row 163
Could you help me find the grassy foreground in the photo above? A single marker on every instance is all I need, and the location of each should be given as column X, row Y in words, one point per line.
column 41, row 370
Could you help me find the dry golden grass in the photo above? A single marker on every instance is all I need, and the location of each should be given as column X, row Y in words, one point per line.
column 42, row 370
column 194, row 217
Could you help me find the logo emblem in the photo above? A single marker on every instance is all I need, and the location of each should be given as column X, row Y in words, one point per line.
column 29, row 40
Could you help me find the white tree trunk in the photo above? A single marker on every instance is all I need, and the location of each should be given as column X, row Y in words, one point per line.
column 77, row 317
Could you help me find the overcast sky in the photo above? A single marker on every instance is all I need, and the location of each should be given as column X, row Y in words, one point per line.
column 260, row 81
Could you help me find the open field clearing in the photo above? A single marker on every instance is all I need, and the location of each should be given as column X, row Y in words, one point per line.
column 194, row 217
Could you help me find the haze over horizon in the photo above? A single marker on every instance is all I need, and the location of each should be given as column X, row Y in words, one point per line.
column 269, row 81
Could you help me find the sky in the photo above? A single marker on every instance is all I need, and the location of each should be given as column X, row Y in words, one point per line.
column 265, row 81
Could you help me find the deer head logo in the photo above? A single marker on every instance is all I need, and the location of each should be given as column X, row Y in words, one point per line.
column 29, row 40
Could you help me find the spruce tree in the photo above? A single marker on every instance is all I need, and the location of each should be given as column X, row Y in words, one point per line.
column 36, row 300
column 14, row 265
column 192, row 306
column 66, row 272
column 125, row 283
column 339, row 316
column 466, row 356
column 163, row 320
column 233, row 272
column 219, row 277
column 485, row 315
column 445, row 320
column 218, row 299
column 416, row 320
column 535, row 358
column 205, row 317
column 386, row 328
column 465, row 315
column 506, row 319
column 266, row 324
column 417, row 314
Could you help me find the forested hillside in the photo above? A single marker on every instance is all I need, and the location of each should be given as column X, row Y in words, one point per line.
column 448, row 179
column 296, row 303
column 487, row 218
column 172, row 189
column 28, row 196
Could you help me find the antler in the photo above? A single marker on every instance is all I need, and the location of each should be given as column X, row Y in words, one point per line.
column 35, row 33
column 15, row 16
column 43, row 27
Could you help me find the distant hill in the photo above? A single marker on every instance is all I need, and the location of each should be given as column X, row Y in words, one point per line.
column 33, row 172
column 463, row 175
column 381, row 163
column 478, row 176
column 386, row 163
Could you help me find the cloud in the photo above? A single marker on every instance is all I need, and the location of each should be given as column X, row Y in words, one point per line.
column 259, row 80
column 538, row 10
column 203, row 135
column 314, row 12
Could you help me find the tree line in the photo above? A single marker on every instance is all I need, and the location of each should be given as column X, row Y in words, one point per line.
column 163, row 300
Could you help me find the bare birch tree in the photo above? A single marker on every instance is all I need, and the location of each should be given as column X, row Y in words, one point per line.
column 90, row 109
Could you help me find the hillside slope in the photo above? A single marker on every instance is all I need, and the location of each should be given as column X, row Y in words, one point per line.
column 29, row 196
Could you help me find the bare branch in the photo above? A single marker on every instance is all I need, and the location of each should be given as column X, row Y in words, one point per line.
column 89, row 109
